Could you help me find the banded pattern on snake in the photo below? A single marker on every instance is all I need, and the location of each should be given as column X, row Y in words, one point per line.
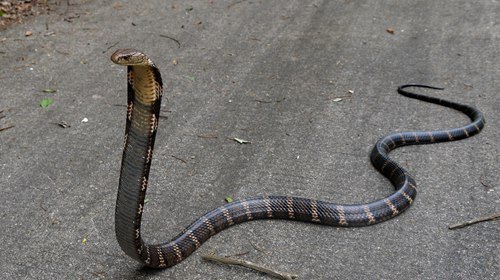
column 145, row 90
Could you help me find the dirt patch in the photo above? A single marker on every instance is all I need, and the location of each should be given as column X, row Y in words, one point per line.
column 12, row 11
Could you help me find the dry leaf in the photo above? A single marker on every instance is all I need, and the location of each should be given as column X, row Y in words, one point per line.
column 390, row 30
column 241, row 141
column 63, row 124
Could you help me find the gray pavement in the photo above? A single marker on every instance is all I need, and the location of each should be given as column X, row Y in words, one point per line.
column 267, row 72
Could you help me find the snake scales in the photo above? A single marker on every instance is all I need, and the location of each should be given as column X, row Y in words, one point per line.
column 144, row 98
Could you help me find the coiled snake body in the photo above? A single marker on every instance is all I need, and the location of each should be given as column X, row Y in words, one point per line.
column 144, row 98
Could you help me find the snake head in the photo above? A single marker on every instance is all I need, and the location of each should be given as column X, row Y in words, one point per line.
column 131, row 57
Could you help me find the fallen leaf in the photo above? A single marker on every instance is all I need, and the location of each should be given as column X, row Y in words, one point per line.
column 241, row 141
column 228, row 199
column 49, row 90
column 63, row 124
column 44, row 103
column 390, row 30
column 175, row 62
column 28, row 33
column 191, row 78
column 84, row 240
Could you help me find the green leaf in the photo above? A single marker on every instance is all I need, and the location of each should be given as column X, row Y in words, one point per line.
column 2, row 13
column 44, row 103
column 49, row 90
column 228, row 199
column 191, row 78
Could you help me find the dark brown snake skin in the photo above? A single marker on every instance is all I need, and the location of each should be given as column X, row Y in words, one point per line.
column 144, row 97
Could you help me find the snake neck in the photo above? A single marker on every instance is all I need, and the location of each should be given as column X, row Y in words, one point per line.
column 146, row 83
column 144, row 101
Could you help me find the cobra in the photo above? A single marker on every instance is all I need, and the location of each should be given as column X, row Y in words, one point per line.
column 144, row 98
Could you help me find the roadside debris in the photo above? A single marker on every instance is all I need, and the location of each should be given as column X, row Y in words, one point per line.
column 233, row 261
column 7, row 127
column 45, row 102
column 63, row 124
column 493, row 217
column 49, row 90
column 241, row 141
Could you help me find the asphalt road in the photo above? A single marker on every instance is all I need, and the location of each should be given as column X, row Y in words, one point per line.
column 269, row 72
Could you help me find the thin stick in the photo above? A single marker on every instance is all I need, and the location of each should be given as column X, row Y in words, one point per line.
column 181, row 159
column 493, row 217
column 5, row 128
column 259, row 249
column 172, row 38
column 112, row 46
column 483, row 183
column 235, row 3
column 213, row 136
column 247, row 264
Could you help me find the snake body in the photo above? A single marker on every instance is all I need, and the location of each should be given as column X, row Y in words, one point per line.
column 144, row 99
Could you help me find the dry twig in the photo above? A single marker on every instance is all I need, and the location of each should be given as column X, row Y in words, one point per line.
column 173, row 39
column 251, row 265
column 178, row 158
column 7, row 127
column 493, row 217
column 210, row 135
